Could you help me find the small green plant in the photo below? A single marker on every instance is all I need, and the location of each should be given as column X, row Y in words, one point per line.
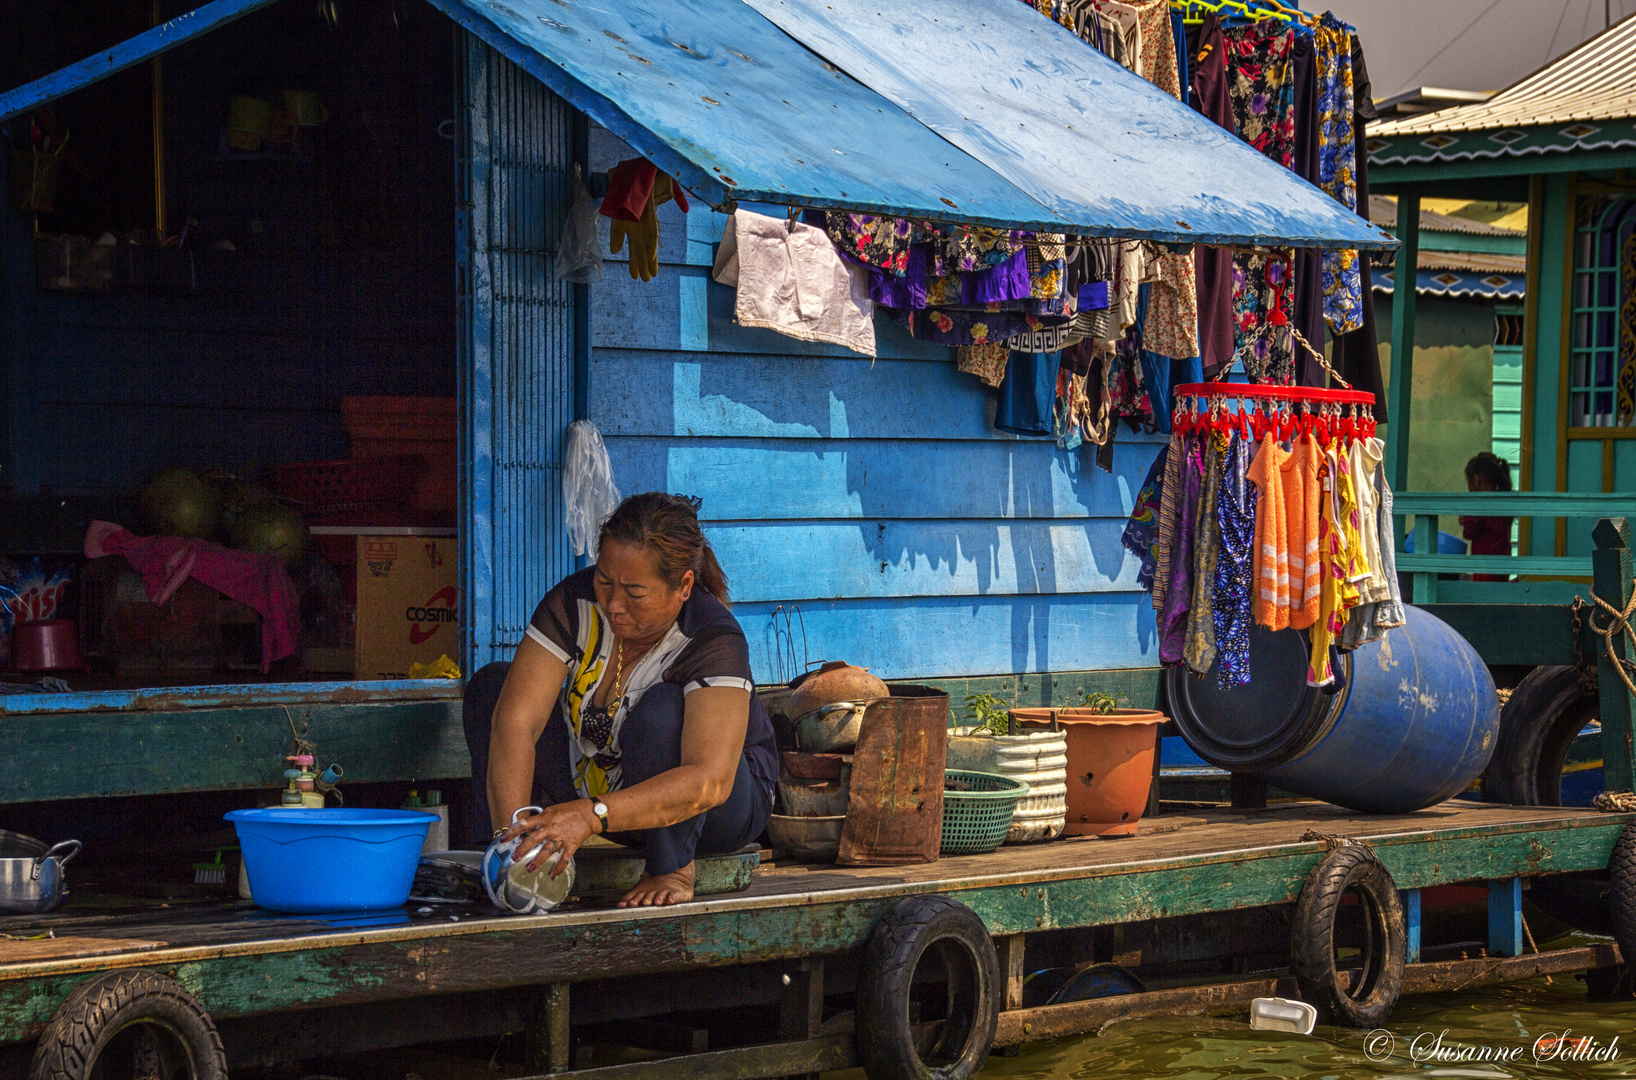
column 988, row 713
column 1102, row 703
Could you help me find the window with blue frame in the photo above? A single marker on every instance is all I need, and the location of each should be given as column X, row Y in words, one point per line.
column 1602, row 336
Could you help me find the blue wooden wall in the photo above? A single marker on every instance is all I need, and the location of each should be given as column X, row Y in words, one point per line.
column 876, row 496
column 101, row 389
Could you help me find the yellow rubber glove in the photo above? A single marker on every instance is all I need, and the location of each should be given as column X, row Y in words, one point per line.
column 644, row 238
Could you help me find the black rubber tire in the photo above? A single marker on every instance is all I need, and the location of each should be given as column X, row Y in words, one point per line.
column 101, row 1008
column 1622, row 897
column 1346, row 867
column 886, row 1042
column 1547, row 710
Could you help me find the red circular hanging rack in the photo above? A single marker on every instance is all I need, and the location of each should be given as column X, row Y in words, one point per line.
column 1275, row 393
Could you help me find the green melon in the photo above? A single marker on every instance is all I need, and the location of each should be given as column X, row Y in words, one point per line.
column 271, row 527
column 181, row 502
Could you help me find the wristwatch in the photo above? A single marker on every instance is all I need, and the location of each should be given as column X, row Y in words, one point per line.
column 600, row 809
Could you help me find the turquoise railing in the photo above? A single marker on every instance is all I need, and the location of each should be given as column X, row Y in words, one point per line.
column 1426, row 507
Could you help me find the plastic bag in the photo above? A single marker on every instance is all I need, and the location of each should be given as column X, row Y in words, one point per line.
column 587, row 486
column 579, row 255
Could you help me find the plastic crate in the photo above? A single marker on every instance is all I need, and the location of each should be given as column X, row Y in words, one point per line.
column 977, row 821
column 376, row 481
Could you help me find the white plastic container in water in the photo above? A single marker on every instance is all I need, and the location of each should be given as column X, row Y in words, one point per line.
column 1038, row 759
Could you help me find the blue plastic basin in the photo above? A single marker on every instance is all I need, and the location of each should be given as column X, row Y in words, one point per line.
column 331, row 859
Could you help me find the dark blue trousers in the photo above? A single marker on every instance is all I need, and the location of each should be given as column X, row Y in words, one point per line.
column 650, row 741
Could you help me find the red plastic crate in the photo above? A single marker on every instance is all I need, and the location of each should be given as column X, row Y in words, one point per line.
column 381, row 481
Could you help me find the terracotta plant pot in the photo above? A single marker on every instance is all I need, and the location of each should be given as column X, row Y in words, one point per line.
column 1110, row 765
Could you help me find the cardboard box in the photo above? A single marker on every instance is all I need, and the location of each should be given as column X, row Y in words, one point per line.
column 408, row 603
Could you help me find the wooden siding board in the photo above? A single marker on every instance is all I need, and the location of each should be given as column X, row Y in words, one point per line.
column 880, row 559
column 874, row 494
column 944, row 637
column 785, row 479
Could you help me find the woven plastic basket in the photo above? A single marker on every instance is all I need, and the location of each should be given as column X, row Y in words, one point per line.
column 977, row 821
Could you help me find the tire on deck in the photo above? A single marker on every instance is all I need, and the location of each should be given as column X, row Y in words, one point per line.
column 139, row 1014
column 1548, row 708
column 1622, row 899
column 1363, row 997
column 919, row 930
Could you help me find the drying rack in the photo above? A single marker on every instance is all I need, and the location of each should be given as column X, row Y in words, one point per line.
column 1265, row 391
column 1325, row 415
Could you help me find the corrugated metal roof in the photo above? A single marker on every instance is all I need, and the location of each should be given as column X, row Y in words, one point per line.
column 1383, row 212
column 1063, row 122
column 1596, row 81
column 1473, row 262
column 978, row 111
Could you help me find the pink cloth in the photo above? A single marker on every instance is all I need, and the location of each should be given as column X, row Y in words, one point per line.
column 253, row 578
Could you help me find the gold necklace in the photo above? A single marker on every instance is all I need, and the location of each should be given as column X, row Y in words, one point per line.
column 619, row 667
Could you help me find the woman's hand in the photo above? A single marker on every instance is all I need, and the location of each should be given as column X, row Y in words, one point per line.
column 560, row 828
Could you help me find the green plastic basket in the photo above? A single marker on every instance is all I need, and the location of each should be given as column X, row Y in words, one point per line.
column 977, row 821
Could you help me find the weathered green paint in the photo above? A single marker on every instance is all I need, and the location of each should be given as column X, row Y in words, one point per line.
column 1139, row 686
column 1566, row 566
column 80, row 755
column 1501, row 635
column 1502, row 593
column 1613, row 586
column 155, row 750
column 1487, row 243
column 1399, row 390
column 1547, row 286
column 1532, row 165
column 1593, row 504
column 391, row 964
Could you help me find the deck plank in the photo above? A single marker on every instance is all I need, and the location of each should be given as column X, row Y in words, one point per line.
column 241, row 963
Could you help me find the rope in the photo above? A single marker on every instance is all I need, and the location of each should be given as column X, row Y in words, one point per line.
column 1615, row 802
column 1331, row 841
column 1618, row 623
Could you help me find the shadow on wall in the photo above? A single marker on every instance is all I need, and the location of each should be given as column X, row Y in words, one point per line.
column 892, row 483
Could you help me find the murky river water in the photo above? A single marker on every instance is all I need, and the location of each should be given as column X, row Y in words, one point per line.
column 1501, row 1024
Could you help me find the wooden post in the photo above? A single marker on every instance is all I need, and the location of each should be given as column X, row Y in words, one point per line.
column 1611, row 565
column 1505, row 917
column 1411, row 924
column 1248, row 791
column 1401, row 390
column 548, row 1035
column 801, row 1007
column 1012, row 969
column 1425, row 543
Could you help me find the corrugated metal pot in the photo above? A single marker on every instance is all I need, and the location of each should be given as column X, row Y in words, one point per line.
column 1110, row 765
column 1039, row 759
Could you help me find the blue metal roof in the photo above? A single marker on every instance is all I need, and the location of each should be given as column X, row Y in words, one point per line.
column 980, row 111
column 1095, row 143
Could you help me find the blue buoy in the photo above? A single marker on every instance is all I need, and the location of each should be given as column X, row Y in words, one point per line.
column 1415, row 722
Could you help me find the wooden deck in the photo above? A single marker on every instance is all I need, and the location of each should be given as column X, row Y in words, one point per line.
column 242, row 962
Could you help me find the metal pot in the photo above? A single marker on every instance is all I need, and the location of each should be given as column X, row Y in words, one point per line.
column 831, row 728
column 31, row 886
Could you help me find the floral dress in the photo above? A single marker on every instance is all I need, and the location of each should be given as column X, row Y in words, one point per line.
column 1262, row 91
column 872, row 239
column 1235, row 568
column 1337, row 159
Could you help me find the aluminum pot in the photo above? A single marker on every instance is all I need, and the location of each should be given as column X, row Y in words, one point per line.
column 31, row 886
column 831, row 728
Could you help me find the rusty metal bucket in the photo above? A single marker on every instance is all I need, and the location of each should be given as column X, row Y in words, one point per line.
column 894, row 815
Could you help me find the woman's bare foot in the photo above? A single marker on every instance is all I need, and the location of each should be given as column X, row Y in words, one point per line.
column 657, row 890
